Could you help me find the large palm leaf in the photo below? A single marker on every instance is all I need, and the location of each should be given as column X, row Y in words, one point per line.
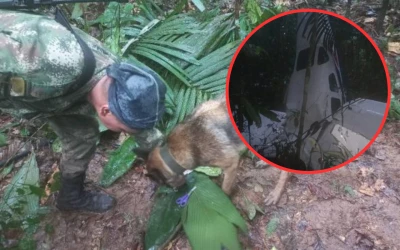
column 192, row 56
column 191, row 52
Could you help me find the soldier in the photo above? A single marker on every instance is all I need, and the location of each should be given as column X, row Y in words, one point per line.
column 44, row 69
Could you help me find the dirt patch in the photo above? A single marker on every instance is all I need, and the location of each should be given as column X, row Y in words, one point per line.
column 327, row 211
column 355, row 207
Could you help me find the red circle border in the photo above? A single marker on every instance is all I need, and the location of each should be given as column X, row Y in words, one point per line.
column 327, row 13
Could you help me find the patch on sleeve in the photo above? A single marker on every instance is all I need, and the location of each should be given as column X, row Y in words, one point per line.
column 18, row 86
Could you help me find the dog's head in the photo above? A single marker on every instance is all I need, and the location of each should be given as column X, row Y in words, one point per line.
column 159, row 171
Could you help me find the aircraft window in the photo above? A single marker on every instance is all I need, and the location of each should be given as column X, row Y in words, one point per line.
column 302, row 60
column 335, row 104
column 322, row 56
column 332, row 83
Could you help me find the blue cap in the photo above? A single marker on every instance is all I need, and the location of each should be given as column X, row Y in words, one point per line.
column 136, row 96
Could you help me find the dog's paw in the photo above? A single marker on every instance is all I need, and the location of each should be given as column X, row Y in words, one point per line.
column 273, row 198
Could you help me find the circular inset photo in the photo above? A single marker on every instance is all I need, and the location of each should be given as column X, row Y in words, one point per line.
column 308, row 91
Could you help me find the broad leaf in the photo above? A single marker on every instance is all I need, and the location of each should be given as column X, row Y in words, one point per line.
column 78, row 10
column 210, row 171
column 217, row 199
column 199, row 4
column 210, row 218
column 56, row 146
column 165, row 218
column 120, row 161
column 6, row 171
column 3, row 140
column 272, row 226
column 18, row 200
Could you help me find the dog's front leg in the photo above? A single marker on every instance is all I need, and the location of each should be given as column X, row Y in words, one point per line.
column 229, row 177
column 276, row 194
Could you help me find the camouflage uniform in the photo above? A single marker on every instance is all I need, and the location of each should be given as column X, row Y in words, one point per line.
column 48, row 58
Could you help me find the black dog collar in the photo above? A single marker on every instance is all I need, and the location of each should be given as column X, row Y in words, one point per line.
column 170, row 161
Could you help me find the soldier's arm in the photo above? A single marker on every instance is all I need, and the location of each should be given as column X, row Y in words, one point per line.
column 42, row 55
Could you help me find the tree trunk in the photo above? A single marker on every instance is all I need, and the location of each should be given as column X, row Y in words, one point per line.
column 348, row 7
column 381, row 16
column 237, row 13
column 237, row 8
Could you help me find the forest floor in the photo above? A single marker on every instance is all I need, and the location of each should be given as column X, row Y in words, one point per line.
column 355, row 207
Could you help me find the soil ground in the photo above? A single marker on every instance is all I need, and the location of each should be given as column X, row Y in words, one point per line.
column 355, row 207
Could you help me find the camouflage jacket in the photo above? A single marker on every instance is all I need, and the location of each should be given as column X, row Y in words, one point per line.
column 48, row 58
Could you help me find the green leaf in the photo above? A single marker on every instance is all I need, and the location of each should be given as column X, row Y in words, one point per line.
column 254, row 11
column 27, row 243
column 179, row 103
column 210, row 171
column 17, row 199
column 187, row 50
column 120, row 161
column 206, row 229
column 37, row 190
column 251, row 209
column 57, row 146
column 216, row 199
column 56, row 185
column 77, row 11
column 6, row 171
column 149, row 26
column 394, row 111
column 178, row 7
column 163, row 61
column 183, row 109
column 199, row 4
column 349, row 190
column 191, row 101
column 272, row 226
column 181, row 47
column 165, row 217
column 24, row 132
column 172, row 52
column 212, row 80
column 3, row 140
column 210, row 217
column 20, row 191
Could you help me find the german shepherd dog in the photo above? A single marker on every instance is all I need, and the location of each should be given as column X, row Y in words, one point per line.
column 204, row 138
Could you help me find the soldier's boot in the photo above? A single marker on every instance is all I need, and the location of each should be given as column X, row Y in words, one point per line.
column 147, row 140
column 72, row 196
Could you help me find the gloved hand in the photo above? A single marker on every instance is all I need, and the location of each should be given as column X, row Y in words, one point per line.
column 147, row 140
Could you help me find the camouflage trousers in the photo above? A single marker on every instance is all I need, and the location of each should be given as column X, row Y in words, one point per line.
column 79, row 135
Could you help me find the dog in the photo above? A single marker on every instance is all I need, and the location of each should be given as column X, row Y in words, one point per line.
column 204, row 138
column 275, row 195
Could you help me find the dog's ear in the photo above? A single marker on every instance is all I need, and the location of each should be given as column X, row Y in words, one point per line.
column 154, row 166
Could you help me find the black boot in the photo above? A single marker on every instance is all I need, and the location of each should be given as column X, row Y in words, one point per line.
column 72, row 196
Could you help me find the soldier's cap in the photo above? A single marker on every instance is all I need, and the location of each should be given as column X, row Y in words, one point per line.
column 136, row 96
